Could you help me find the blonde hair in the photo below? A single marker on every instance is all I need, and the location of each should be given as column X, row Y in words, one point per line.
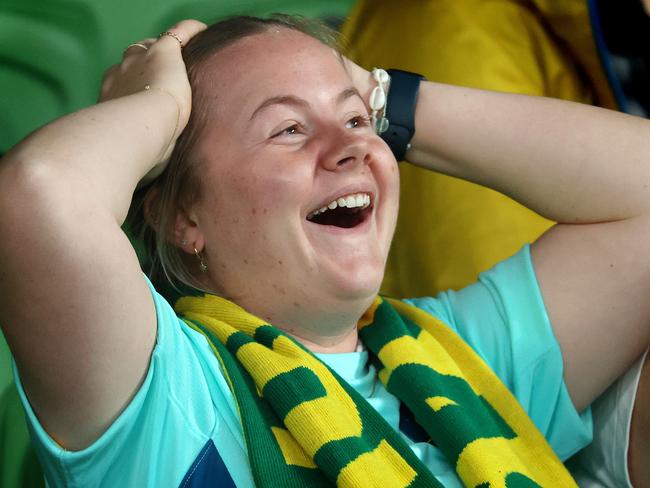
column 178, row 187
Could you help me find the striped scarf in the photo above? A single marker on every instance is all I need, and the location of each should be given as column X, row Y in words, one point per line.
column 306, row 427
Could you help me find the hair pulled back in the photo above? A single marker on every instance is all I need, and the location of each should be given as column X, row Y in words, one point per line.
column 178, row 187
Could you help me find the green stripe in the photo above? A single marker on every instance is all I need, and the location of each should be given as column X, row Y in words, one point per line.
column 413, row 329
column 268, row 465
column 336, row 455
column 288, row 390
column 518, row 480
column 237, row 340
column 387, row 326
column 454, row 426
column 265, row 335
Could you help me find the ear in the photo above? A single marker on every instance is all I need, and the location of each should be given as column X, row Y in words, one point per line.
column 186, row 233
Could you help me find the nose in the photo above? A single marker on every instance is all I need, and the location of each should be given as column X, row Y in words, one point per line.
column 346, row 149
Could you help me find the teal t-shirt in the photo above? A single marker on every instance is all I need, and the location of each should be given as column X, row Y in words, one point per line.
column 184, row 404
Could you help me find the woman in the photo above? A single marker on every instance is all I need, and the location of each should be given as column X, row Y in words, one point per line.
column 120, row 392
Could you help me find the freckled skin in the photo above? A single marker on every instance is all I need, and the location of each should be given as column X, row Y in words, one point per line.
column 333, row 277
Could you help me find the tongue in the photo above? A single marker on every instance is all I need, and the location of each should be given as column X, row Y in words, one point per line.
column 339, row 217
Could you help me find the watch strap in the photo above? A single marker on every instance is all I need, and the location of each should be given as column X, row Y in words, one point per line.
column 400, row 110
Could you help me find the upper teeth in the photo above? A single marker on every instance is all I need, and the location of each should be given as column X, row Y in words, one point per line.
column 350, row 201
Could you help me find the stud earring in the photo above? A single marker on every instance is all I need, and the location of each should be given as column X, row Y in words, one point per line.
column 202, row 265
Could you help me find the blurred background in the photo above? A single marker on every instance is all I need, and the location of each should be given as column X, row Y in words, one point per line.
column 53, row 54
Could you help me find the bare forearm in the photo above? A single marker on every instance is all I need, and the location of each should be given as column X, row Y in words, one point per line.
column 100, row 152
column 572, row 163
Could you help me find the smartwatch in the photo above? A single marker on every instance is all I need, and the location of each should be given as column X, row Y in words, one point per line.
column 400, row 110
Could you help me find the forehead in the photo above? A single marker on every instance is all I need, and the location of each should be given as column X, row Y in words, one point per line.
column 278, row 62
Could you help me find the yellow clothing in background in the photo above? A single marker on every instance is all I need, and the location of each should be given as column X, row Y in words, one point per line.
column 450, row 230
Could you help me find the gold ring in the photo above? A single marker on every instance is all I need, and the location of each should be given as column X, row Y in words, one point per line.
column 171, row 34
column 136, row 44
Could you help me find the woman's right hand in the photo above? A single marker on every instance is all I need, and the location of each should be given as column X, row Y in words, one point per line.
column 156, row 64
column 70, row 276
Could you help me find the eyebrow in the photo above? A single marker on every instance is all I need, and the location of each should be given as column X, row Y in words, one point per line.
column 300, row 102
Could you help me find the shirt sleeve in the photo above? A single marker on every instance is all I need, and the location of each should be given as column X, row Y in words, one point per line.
column 503, row 318
column 158, row 435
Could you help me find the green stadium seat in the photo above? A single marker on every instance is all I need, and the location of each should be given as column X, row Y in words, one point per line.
column 52, row 57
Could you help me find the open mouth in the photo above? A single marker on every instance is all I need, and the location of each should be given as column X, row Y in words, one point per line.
column 345, row 212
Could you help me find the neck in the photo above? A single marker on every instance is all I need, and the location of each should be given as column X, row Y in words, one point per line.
column 346, row 342
column 330, row 328
column 320, row 326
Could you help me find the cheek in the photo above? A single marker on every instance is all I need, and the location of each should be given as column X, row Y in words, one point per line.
column 386, row 172
column 253, row 202
column 281, row 182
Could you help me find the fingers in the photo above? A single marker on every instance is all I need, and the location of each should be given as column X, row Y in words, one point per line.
column 154, row 62
column 139, row 47
column 134, row 45
column 175, row 37
column 361, row 79
column 181, row 33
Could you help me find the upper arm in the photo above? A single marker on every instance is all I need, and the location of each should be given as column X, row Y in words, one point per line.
column 74, row 306
column 595, row 280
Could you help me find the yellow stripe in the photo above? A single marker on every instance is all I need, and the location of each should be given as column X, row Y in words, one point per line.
column 335, row 416
column 291, row 450
column 484, row 382
column 439, row 402
column 420, row 351
column 379, row 468
column 491, row 460
column 316, row 422
column 220, row 329
column 369, row 316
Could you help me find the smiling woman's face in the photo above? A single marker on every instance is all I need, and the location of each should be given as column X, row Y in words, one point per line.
column 287, row 136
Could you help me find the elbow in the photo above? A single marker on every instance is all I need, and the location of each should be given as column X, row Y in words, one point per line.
column 26, row 191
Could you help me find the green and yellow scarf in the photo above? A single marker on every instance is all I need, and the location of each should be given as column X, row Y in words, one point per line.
column 306, row 427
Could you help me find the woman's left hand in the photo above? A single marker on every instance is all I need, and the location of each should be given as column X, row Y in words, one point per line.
column 361, row 79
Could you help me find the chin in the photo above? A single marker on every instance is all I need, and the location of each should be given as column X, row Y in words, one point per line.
column 359, row 282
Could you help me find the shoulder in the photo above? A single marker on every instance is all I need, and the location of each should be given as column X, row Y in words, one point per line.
column 183, row 403
column 503, row 318
column 500, row 315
